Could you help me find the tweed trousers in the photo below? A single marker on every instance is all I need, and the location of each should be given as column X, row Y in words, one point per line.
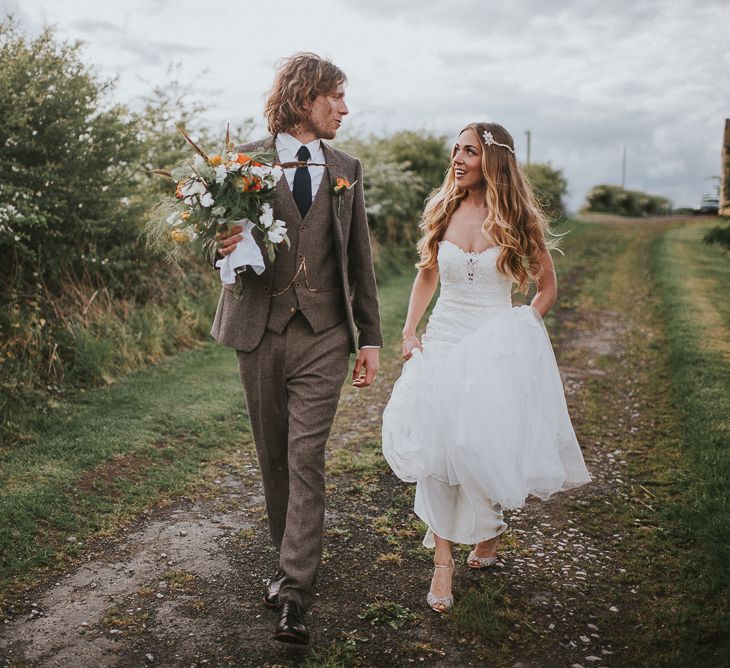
column 292, row 382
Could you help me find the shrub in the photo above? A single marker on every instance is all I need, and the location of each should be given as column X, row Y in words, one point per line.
column 65, row 159
column 718, row 235
column 400, row 172
column 80, row 294
column 634, row 203
column 550, row 188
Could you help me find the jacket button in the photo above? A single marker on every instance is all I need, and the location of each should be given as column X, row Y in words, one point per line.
column 299, row 285
column 304, row 227
column 292, row 310
column 266, row 288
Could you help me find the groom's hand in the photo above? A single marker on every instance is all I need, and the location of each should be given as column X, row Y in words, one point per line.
column 227, row 240
column 366, row 367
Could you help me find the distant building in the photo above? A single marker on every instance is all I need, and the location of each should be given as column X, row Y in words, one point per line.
column 725, row 172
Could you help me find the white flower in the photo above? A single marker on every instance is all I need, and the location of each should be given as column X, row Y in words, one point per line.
column 276, row 232
column 192, row 187
column 220, row 173
column 262, row 171
column 273, row 176
column 218, row 211
column 198, row 160
column 192, row 190
column 207, row 200
column 172, row 218
column 267, row 216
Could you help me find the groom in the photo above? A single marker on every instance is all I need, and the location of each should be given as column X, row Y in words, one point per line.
column 295, row 325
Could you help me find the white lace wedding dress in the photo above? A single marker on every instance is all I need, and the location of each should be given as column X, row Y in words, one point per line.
column 478, row 419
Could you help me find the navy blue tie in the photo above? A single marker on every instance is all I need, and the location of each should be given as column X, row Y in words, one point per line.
column 303, row 183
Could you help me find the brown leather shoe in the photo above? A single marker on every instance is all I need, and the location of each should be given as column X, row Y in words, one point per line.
column 290, row 627
column 271, row 595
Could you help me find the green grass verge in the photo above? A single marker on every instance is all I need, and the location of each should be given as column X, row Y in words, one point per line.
column 40, row 361
column 694, row 283
column 102, row 457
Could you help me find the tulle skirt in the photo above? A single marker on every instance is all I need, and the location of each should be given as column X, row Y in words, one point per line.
column 481, row 424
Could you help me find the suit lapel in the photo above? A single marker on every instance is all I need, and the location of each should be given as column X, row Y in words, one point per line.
column 334, row 170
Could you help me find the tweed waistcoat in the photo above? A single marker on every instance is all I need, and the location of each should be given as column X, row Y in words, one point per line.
column 306, row 276
column 334, row 232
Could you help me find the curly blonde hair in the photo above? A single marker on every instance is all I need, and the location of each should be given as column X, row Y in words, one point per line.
column 514, row 222
column 299, row 80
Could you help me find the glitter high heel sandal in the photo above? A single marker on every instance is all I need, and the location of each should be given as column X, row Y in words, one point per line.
column 475, row 563
column 441, row 603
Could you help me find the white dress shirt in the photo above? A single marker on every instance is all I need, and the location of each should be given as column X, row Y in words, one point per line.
column 287, row 148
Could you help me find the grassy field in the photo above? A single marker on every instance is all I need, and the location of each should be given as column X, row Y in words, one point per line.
column 693, row 280
column 641, row 329
column 92, row 462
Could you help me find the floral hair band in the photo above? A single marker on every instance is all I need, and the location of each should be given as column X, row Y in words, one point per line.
column 489, row 141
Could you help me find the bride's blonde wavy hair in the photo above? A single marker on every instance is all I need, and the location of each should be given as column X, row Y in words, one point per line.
column 514, row 222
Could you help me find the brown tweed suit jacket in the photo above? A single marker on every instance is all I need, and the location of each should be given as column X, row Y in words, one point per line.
column 240, row 322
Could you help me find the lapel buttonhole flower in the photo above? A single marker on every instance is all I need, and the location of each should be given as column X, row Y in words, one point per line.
column 342, row 184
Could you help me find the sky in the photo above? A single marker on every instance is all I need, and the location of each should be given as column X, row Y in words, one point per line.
column 587, row 78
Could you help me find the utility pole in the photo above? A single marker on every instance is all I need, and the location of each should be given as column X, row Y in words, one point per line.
column 529, row 135
column 623, row 170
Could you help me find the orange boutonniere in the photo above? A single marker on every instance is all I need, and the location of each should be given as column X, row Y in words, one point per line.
column 342, row 184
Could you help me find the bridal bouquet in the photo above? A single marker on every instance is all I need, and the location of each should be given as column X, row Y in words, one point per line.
column 213, row 192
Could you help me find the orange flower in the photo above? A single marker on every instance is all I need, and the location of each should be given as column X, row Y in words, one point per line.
column 179, row 237
column 244, row 159
column 214, row 160
column 341, row 184
column 250, row 184
column 178, row 191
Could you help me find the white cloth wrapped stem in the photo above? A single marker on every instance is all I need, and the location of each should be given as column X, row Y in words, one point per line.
column 246, row 254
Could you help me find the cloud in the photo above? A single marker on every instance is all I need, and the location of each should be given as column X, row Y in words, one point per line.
column 586, row 77
column 147, row 53
column 95, row 26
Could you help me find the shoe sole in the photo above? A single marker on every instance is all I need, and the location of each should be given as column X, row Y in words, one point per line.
column 290, row 639
column 269, row 604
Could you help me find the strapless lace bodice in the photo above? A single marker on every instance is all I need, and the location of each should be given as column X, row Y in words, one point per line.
column 472, row 289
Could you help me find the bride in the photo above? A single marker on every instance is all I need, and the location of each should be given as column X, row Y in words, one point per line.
column 478, row 417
